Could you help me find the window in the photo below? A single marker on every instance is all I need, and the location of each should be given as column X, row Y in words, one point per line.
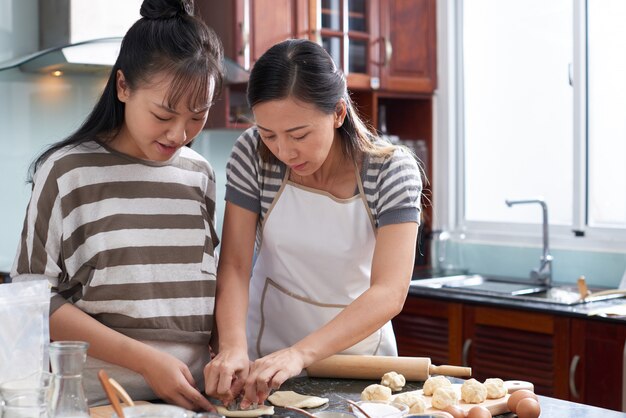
column 541, row 99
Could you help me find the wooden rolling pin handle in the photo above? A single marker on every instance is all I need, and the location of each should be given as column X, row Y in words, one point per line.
column 455, row 371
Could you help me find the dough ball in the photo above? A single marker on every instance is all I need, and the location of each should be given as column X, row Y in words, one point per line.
column 495, row 388
column 472, row 391
column 393, row 381
column 432, row 383
column 444, row 397
column 414, row 401
column 376, row 393
column 291, row 398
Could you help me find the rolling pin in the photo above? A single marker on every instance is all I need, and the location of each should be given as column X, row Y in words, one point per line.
column 374, row 367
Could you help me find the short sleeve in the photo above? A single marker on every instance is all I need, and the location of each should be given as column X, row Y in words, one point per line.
column 40, row 246
column 399, row 189
column 242, row 170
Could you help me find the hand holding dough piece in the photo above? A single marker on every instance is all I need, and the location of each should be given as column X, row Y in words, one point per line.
column 376, row 393
column 393, row 381
column 294, row 399
column 246, row 413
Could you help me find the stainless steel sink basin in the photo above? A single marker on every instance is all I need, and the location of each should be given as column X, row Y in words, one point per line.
column 511, row 288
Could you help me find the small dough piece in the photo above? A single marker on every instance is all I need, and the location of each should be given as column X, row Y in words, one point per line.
column 414, row 401
column 376, row 393
column 246, row 413
column 495, row 388
column 432, row 383
column 472, row 391
column 291, row 398
column 444, row 397
column 394, row 381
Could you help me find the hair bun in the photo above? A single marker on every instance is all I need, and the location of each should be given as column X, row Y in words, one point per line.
column 166, row 9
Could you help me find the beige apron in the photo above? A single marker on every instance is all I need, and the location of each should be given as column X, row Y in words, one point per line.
column 315, row 259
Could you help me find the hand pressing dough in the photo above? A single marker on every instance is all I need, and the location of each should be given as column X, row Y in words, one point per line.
column 472, row 391
column 495, row 388
column 376, row 393
column 415, row 402
column 291, row 398
column 444, row 397
column 393, row 381
column 432, row 383
column 246, row 413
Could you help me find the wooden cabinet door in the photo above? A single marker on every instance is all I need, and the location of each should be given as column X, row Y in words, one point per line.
column 248, row 28
column 273, row 21
column 517, row 345
column 597, row 363
column 429, row 328
column 408, row 45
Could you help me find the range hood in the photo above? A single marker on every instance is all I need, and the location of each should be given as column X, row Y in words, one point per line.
column 94, row 57
column 84, row 37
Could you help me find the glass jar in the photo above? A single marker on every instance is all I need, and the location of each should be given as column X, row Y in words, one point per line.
column 67, row 359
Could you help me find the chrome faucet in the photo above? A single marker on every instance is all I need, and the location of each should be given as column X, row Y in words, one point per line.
column 543, row 274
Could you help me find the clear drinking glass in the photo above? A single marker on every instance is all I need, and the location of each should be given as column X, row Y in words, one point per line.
column 67, row 359
column 27, row 397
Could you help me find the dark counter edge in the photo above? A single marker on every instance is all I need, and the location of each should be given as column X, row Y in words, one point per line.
column 579, row 311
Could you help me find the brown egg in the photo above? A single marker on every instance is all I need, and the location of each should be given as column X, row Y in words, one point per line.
column 516, row 396
column 455, row 411
column 528, row 408
column 479, row 412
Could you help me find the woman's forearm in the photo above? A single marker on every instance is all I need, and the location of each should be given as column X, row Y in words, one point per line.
column 232, row 308
column 70, row 323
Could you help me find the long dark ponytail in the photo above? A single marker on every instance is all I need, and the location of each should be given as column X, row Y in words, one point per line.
column 167, row 39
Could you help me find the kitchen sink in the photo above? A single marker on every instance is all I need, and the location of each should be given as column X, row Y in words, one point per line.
column 510, row 288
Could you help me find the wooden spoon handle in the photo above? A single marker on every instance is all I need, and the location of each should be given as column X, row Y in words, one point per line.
column 111, row 394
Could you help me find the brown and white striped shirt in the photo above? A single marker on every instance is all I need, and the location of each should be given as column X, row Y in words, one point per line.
column 128, row 241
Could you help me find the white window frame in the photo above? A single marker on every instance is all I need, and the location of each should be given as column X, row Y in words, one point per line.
column 448, row 170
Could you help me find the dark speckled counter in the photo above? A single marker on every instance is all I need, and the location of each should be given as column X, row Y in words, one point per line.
column 337, row 389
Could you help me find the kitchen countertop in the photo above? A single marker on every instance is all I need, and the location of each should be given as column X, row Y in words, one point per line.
column 336, row 389
column 579, row 310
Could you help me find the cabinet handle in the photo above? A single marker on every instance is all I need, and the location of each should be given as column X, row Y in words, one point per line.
column 388, row 52
column 244, row 28
column 572, row 376
column 466, row 347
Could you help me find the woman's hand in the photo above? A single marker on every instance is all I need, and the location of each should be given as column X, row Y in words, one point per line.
column 225, row 375
column 270, row 372
column 171, row 380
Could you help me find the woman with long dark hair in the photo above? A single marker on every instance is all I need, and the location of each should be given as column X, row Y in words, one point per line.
column 122, row 215
column 334, row 212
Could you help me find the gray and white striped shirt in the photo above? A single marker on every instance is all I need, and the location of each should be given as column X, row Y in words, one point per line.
column 128, row 241
column 392, row 184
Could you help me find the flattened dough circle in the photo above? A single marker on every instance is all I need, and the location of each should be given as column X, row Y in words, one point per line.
column 291, row 398
column 247, row 413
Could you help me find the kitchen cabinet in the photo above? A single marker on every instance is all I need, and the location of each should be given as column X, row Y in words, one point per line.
column 380, row 44
column 430, row 328
column 495, row 342
column 408, row 45
column 596, row 369
column 514, row 344
column 247, row 29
